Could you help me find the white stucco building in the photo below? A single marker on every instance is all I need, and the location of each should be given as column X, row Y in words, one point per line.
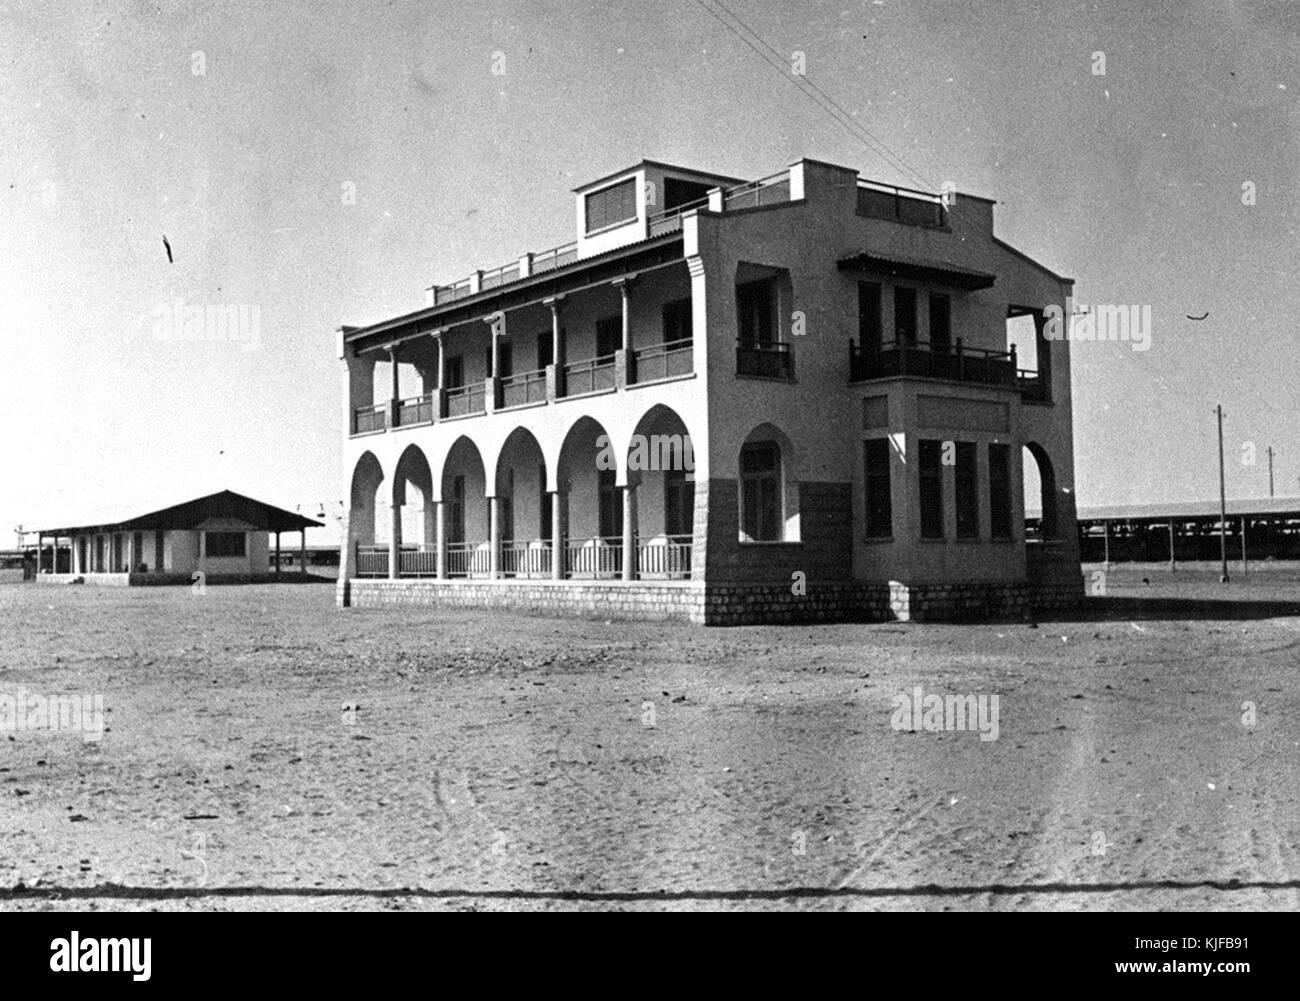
column 804, row 397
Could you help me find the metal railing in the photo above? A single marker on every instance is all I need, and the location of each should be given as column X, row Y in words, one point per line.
column 450, row 293
column 500, row 276
column 927, row 361
column 416, row 410
column 372, row 418
column 417, row 561
column 670, row 220
column 593, row 558
column 665, row 556
column 765, row 191
column 525, row 559
column 468, row 399
column 1033, row 386
column 556, row 257
column 905, row 205
column 523, row 387
column 461, row 561
column 771, row 361
column 372, row 561
column 589, row 376
column 664, row 361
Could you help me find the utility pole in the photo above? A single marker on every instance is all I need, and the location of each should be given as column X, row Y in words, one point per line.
column 1223, row 505
column 1270, row 470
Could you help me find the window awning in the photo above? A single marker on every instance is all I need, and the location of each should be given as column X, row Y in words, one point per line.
column 922, row 271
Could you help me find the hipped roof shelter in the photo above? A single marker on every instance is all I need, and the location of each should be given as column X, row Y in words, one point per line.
column 191, row 514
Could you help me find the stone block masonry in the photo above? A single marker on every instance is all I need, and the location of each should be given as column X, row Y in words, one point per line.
column 730, row 604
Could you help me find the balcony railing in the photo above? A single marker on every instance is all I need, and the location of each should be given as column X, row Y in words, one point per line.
column 372, row 418
column 416, row 410
column 417, row 560
column 526, row 559
column 765, row 191
column 450, row 293
column 665, row 556
column 500, row 276
column 594, row 558
column 670, row 220
column 464, row 400
column 905, row 205
column 372, row 561
column 926, row 361
column 590, row 376
column 664, row 361
column 770, row 361
column 1033, row 386
column 524, row 387
column 556, row 257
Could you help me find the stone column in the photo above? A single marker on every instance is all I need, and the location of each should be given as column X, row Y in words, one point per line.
column 629, row 532
column 440, row 539
column 494, row 543
column 395, row 407
column 557, row 541
column 395, row 543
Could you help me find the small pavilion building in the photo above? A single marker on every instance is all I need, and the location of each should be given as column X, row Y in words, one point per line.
column 225, row 536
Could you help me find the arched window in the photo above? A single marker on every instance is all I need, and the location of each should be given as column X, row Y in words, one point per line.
column 761, row 511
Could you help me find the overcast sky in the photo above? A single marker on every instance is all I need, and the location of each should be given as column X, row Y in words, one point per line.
column 235, row 130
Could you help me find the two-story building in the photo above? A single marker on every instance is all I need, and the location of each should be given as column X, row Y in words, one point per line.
column 807, row 397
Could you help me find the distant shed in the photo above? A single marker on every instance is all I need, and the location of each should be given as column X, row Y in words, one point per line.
column 223, row 536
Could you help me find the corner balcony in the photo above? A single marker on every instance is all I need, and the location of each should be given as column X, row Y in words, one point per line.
column 955, row 363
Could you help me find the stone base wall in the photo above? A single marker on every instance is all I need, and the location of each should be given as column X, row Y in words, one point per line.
column 174, row 579
column 728, row 604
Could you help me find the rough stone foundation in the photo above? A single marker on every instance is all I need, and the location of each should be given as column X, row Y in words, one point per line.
column 727, row 604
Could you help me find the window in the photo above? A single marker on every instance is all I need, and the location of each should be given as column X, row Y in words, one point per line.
column 966, row 491
column 929, row 464
column 760, row 492
column 754, row 311
column 612, row 205
column 611, row 506
column 454, row 372
column 609, row 336
column 678, row 192
column 871, row 327
column 544, row 504
column 545, row 349
column 224, row 544
column 505, row 360
column 1000, row 491
column 905, row 315
column 679, row 503
column 677, row 321
column 940, row 323
column 456, row 530
column 879, row 513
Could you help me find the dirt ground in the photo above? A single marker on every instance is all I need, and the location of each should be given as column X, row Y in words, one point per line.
column 266, row 750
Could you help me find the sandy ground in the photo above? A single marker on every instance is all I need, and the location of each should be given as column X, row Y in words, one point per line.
column 497, row 761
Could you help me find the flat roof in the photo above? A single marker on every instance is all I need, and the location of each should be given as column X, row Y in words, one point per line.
column 1191, row 510
column 662, row 166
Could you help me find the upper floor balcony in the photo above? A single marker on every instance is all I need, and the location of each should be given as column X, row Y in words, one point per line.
column 949, row 362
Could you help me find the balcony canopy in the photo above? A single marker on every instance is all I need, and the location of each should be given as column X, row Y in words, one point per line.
column 191, row 514
column 922, row 271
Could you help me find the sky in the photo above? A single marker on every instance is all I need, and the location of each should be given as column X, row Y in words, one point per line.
column 316, row 164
